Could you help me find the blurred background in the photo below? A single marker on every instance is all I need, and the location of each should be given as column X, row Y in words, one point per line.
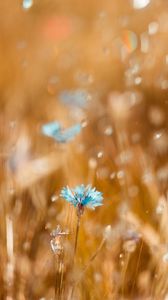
column 104, row 65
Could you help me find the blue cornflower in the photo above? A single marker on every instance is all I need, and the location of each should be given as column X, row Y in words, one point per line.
column 82, row 196
column 78, row 98
column 55, row 131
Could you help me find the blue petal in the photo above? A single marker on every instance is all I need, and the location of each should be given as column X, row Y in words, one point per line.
column 93, row 198
column 68, row 134
column 67, row 194
column 51, row 129
column 54, row 130
column 79, row 190
column 86, row 195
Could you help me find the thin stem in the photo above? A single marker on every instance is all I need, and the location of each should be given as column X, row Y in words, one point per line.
column 88, row 264
column 56, row 277
column 94, row 255
column 76, row 236
column 75, row 248
column 124, row 273
column 137, row 267
column 59, row 276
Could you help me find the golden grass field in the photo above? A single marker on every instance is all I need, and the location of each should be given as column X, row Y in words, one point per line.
column 117, row 55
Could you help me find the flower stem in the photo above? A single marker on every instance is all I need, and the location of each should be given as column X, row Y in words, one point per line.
column 76, row 235
column 75, row 248
column 102, row 243
column 59, row 276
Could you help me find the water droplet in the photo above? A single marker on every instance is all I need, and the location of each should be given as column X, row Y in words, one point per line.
column 48, row 226
column 165, row 257
column 153, row 28
column 112, row 175
column 139, row 4
column 108, row 130
column 92, row 163
column 157, row 135
column 84, row 123
column 27, row 4
column 161, row 206
column 138, row 80
column 54, row 198
column 160, row 142
column 100, row 154
column 120, row 174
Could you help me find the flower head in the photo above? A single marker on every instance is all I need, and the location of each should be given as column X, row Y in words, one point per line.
column 56, row 240
column 55, row 131
column 82, row 196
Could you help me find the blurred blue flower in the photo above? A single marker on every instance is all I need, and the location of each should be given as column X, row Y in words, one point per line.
column 78, row 98
column 54, row 130
column 82, row 196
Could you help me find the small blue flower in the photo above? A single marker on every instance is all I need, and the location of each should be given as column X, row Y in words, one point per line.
column 55, row 131
column 78, row 98
column 82, row 196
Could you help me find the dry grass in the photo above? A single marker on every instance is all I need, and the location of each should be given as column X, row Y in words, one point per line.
column 122, row 151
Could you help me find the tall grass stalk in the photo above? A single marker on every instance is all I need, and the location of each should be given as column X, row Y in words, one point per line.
column 59, row 263
column 92, row 258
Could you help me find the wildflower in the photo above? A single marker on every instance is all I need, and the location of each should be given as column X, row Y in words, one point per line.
column 77, row 98
column 82, row 196
column 55, row 131
column 59, row 232
column 55, row 242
